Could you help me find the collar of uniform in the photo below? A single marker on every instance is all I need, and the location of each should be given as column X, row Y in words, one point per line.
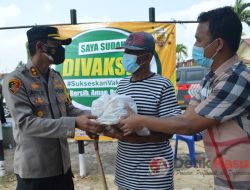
column 34, row 71
column 52, row 73
column 227, row 64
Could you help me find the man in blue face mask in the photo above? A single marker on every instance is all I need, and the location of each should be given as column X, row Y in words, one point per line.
column 139, row 158
column 221, row 108
column 139, row 50
column 199, row 57
column 211, row 46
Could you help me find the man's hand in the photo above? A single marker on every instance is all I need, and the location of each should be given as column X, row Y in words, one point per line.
column 87, row 123
column 113, row 131
column 131, row 123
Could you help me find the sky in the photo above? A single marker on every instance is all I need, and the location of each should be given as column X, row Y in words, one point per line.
column 32, row 12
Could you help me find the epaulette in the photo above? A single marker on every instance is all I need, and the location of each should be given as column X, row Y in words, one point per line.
column 69, row 99
column 22, row 69
column 57, row 72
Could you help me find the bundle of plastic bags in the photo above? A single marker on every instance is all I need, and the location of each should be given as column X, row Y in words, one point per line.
column 109, row 109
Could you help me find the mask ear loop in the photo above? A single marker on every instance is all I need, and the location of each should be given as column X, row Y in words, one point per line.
column 141, row 56
column 214, row 55
column 209, row 46
column 46, row 53
column 46, row 48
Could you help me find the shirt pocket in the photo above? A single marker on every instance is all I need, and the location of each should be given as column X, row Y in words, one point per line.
column 62, row 101
column 40, row 105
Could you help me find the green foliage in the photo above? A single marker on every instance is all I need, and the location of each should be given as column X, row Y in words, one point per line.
column 181, row 52
column 242, row 10
column 20, row 64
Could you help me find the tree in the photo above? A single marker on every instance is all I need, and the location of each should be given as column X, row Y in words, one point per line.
column 28, row 52
column 240, row 8
column 181, row 52
column 20, row 64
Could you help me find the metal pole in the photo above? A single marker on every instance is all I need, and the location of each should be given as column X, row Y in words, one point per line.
column 151, row 14
column 82, row 165
column 81, row 151
column 60, row 24
column 73, row 16
column 2, row 162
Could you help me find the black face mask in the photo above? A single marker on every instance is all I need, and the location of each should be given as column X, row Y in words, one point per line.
column 57, row 53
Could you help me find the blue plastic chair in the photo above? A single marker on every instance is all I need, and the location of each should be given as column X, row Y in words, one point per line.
column 190, row 140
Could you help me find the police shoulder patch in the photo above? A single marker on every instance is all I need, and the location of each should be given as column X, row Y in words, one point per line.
column 14, row 85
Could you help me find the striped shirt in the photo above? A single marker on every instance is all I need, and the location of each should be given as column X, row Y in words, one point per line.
column 147, row 165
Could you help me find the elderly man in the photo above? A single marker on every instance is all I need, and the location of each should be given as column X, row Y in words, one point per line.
column 145, row 161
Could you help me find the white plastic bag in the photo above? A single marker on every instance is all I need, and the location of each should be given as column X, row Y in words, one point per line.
column 109, row 109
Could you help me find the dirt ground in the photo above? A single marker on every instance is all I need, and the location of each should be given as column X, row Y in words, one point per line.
column 185, row 178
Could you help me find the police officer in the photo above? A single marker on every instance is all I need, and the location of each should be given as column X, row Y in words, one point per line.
column 44, row 115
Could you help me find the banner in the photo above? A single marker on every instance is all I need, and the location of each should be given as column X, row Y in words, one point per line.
column 93, row 65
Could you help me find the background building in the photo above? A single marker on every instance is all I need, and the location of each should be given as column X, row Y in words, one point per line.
column 244, row 50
